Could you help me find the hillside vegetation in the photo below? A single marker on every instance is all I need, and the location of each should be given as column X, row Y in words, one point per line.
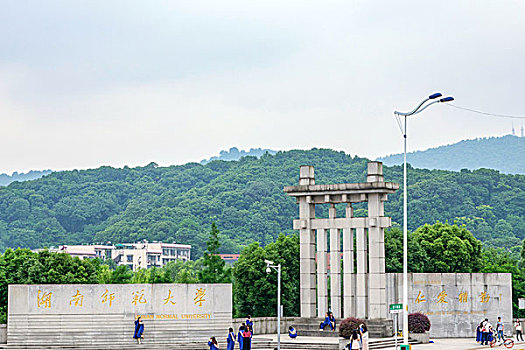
column 244, row 198
column 505, row 154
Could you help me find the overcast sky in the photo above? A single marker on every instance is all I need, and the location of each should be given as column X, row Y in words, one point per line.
column 90, row 83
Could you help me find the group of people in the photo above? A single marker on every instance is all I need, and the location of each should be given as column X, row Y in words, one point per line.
column 486, row 332
column 359, row 339
column 243, row 337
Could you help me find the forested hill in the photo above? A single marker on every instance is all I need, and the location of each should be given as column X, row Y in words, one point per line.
column 505, row 154
column 245, row 198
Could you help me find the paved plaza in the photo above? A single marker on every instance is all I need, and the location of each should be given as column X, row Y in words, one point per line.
column 439, row 344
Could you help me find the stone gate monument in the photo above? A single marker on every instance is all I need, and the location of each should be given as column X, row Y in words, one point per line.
column 454, row 302
column 364, row 293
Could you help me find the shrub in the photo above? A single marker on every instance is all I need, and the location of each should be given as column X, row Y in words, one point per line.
column 348, row 325
column 418, row 323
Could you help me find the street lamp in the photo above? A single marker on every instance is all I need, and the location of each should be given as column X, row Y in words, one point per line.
column 403, row 127
column 269, row 267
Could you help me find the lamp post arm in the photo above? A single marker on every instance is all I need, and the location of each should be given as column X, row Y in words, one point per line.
column 430, row 104
column 415, row 109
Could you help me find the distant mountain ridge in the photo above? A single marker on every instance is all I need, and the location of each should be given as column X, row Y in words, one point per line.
column 505, row 154
column 31, row 175
column 235, row 154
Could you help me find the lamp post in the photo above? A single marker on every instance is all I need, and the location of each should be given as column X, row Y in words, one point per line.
column 403, row 127
column 269, row 267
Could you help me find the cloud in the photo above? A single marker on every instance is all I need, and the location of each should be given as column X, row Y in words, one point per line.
column 127, row 83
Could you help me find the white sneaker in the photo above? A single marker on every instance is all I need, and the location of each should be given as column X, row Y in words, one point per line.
column 322, row 329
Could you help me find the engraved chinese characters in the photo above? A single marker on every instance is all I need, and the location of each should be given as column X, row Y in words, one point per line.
column 175, row 309
column 43, row 299
column 441, row 298
column 455, row 302
column 138, row 298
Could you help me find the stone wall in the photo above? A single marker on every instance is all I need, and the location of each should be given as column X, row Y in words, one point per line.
column 267, row 325
column 101, row 314
column 455, row 303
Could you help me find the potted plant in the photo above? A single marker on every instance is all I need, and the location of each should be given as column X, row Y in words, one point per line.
column 419, row 327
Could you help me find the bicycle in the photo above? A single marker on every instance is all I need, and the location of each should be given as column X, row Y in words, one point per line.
column 508, row 343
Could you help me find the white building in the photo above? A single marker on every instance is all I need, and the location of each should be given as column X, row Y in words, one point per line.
column 134, row 255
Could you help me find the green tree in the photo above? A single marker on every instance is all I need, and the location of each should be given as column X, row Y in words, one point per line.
column 394, row 252
column 180, row 271
column 121, row 275
column 255, row 291
column 214, row 269
column 449, row 248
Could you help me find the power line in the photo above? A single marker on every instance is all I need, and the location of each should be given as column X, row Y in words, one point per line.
column 486, row 113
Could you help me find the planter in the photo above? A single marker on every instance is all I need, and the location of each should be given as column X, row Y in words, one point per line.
column 421, row 338
column 343, row 342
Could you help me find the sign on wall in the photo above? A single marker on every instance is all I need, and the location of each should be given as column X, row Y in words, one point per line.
column 169, row 311
column 456, row 303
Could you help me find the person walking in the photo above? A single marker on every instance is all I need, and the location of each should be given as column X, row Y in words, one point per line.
column 364, row 336
column 517, row 326
column 212, row 343
column 247, row 338
column 499, row 329
column 139, row 330
column 230, row 341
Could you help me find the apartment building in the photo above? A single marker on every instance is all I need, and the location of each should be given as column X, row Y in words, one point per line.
column 136, row 256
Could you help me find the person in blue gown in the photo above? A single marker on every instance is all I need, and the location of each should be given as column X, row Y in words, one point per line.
column 212, row 343
column 249, row 323
column 230, row 341
column 478, row 333
column 139, row 329
column 239, row 336
column 332, row 321
column 292, row 332
column 327, row 322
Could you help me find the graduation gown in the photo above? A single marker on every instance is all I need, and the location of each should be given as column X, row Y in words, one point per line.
column 139, row 329
column 230, row 341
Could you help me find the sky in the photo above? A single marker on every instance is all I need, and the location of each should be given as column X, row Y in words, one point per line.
column 91, row 83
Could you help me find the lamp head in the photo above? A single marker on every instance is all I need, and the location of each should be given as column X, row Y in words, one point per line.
column 268, row 262
column 268, row 270
column 447, row 99
column 434, row 96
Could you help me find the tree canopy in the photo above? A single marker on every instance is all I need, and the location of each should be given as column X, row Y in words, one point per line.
column 244, row 198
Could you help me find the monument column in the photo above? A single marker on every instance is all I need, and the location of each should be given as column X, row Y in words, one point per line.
column 307, row 245
column 361, row 278
column 335, row 266
column 348, row 267
column 377, row 279
column 322, row 277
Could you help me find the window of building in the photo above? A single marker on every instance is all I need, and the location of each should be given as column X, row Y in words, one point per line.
column 129, row 258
